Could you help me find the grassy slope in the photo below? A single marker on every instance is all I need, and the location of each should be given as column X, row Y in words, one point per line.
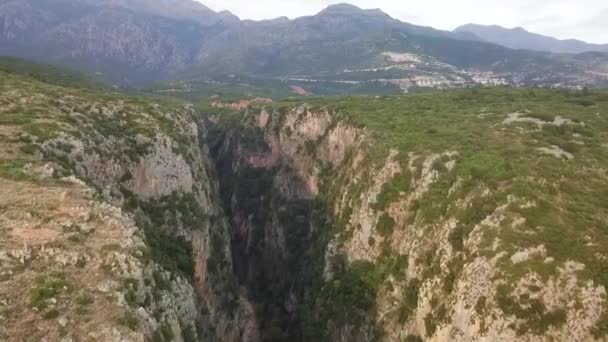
column 48, row 73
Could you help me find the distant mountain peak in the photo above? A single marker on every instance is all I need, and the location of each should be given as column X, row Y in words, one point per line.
column 350, row 9
column 343, row 7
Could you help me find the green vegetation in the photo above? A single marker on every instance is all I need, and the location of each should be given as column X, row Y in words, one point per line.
column 14, row 169
column 164, row 333
column 601, row 328
column 51, row 314
column 478, row 209
column 189, row 334
column 160, row 282
column 430, row 325
column 413, row 338
column 175, row 254
column 128, row 319
column 47, row 73
column 85, row 299
column 455, row 267
column 43, row 131
column 536, row 318
column 253, row 139
column 47, row 287
column 162, row 215
column 351, row 294
column 385, row 225
column 409, row 301
column 18, row 116
column 392, row 189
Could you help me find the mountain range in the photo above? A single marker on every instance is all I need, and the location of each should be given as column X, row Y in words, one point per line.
column 342, row 49
column 519, row 38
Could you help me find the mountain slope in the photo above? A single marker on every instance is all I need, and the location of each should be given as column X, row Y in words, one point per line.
column 519, row 38
column 341, row 49
column 48, row 73
column 130, row 41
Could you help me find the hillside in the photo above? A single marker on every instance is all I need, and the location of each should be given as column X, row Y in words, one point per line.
column 48, row 73
column 342, row 49
column 519, row 38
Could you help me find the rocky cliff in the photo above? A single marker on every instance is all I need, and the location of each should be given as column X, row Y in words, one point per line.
column 111, row 225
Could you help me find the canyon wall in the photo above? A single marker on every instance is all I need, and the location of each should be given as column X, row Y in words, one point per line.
column 136, row 247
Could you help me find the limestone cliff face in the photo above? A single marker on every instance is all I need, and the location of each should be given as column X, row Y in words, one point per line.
column 375, row 262
column 137, row 229
column 174, row 169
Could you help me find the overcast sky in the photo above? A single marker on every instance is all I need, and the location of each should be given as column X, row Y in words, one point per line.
column 580, row 19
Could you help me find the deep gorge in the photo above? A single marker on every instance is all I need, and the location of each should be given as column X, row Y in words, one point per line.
column 279, row 233
column 347, row 221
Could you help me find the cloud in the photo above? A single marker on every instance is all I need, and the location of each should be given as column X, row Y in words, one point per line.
column 581, row 19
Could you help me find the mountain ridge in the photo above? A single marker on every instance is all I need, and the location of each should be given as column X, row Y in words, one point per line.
column 520, row 38
column 140, row 42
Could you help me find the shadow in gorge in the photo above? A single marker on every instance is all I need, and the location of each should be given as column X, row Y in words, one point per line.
column 278, row 248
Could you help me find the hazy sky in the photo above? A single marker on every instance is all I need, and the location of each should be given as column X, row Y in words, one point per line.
column 580, row 19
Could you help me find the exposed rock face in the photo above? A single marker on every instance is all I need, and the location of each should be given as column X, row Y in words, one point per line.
column 269, row 186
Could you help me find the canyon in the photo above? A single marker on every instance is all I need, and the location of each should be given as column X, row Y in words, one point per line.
column 374, row 218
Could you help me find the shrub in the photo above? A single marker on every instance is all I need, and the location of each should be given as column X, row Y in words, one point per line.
column 43, row 130
column 385, row 225
column 409, row 301
column 47, row 287
column 391, row 190
column 487, row 167
column 129, row 320
column 430, row 325
column 583, row 102
column 600, row 330
column 85, row 299
column 480, row 306
column 413, row 338
column 51, row 314
column 541, row 116
column 536, row 319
